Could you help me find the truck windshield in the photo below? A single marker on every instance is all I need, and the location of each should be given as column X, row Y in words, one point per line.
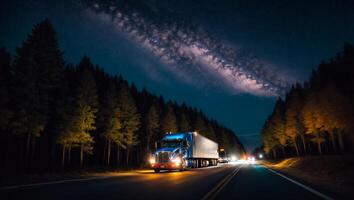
column 171, row 143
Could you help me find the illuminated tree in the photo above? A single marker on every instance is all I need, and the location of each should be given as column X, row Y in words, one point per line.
column 64, row 136
column 313, row 120
column 293, row 122
column 129, row 119
column 108, row 117
column 270, row 143
column 335, row 110
column 85, row 110
column 277, row 122
column 113, row 133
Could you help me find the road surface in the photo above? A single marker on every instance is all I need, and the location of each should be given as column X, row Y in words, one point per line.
column 226, row 181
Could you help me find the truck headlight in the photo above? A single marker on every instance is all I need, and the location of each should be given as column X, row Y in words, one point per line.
column 177, row 160
column 152, row 160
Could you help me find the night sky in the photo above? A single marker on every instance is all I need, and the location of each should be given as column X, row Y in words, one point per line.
column 231, row 59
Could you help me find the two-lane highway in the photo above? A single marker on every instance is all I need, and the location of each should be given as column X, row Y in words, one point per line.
column 221, row 182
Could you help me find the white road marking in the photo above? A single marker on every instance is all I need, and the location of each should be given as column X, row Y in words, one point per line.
column 302, row 185
column 51, row 183
column 202, row 168
column 212, row 193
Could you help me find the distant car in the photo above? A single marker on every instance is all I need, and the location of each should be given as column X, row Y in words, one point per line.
column 223, row 160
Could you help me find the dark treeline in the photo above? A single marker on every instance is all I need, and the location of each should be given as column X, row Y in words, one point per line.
column 316, row 117
column 57, row 116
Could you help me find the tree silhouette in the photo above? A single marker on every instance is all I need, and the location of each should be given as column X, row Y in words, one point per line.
column 37, row 70
column 184, row 123
column 86, row 108
column 152, row 124
column 169, row 123
column 129, row 119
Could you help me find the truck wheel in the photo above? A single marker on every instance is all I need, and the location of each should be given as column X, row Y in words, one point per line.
column 210, row 163
column 156, row 170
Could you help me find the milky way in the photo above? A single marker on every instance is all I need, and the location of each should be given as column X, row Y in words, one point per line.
column 192, row 54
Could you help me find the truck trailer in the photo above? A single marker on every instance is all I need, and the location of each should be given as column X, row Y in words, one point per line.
column 179, row 151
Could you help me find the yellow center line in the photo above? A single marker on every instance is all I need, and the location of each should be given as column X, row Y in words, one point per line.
column 212, row 193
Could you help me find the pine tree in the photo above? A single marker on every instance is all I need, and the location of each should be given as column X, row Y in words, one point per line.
column 278, row 125
column 64, row 116
column 184, row 123
column 107, row 122
column 201, row 127
column 130, row 120
column 5, row 78
column 152, row 124
column 169, row 123
column 211, row 132
column 291, row 128
column 270, row 142
column 336, row 114
column 313, row 120
column 293, row 123
column 224, row 141
column 6, row 111
column 37, row 73
column 113, row 133
column 86, row 108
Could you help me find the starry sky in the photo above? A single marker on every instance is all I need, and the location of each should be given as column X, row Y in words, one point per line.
column 231, row 59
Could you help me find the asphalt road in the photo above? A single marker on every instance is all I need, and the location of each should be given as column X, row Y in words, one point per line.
column 227, row 181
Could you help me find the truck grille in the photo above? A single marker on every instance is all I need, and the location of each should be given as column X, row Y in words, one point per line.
column 162, row 157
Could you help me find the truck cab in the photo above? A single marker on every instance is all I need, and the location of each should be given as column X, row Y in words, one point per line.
column 181, row 150
column 172, row 155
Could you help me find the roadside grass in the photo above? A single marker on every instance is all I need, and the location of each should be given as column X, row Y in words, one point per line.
column 332, row 173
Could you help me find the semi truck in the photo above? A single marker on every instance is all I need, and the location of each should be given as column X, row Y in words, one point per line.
column 179, row 151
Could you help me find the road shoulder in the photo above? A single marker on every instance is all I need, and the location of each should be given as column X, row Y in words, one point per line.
column 320, row 176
